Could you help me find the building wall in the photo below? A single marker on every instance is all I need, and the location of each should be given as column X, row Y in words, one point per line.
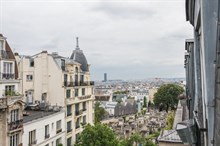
column 39, row 126
column 152, row 91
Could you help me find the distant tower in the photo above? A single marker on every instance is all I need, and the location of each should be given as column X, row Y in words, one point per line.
column 105, row 77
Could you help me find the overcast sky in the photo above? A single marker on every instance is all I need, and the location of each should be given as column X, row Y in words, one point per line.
column 126, row 39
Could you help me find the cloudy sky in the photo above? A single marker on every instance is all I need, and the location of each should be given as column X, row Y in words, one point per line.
column 127, row 39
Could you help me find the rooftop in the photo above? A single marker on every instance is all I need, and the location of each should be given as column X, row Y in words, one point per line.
column 169, row 136
column 30, row 115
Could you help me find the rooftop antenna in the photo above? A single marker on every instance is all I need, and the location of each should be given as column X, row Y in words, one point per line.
column 77, row 43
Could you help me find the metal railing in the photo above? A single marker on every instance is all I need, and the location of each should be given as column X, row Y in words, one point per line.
column 33, row 143
column 7, row 76
column 76, row 84
column 78, row 112
column 59, row 130
column 15, row 125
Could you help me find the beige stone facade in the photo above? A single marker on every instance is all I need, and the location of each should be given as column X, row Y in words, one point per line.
column 55, row 80
column 11, row 101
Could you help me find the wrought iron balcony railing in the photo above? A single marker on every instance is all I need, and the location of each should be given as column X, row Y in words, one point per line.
column 76, row 84
column 15, row 125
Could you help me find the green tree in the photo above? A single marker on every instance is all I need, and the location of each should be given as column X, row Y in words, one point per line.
column 150, row 143
column 99, row 112
column 166, row 96
column 145, row 102
column 97, row 135
column 125, row 142
column 136, row 138
column 170, row 120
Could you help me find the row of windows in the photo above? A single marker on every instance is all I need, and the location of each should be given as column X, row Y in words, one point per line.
column 69, row 108
column 77, row 124
column 68, row 92
column 32, row 134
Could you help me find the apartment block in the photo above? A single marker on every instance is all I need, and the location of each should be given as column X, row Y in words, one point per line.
column 52, row 80
column 11, row 101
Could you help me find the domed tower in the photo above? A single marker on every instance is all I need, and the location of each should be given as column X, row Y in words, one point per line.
column 79, row 57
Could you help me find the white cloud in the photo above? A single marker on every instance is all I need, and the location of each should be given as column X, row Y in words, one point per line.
column 146, row 37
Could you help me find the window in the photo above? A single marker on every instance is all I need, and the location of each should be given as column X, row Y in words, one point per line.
column 47, row 135
column 76, row 92
column 77, row 109
column 81, row 78
column 58, row 141
column 9, row 90
column 68, row 94
column 29, row 77
column 63, row 64
column 77, row 123
column 14, row 140
column 1, row 44
column 32, row 137
column 77, row 137
column 7, row 67
column 31, row 62
column 58, row 126
column 84, row 106
column 83, row 91
column 14, row 115
column 69, row 126
column 69, row 141
column 84, row 119
column 69, row 110
column 65, row 79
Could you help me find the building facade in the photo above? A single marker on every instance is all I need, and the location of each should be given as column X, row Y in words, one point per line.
column 11, row 101
column 202, row 73
column 44, row 128
column 50, row 79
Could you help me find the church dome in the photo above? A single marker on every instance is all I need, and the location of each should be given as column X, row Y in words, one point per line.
column 79, row 57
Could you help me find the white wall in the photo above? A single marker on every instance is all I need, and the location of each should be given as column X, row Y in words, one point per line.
column 40, row 124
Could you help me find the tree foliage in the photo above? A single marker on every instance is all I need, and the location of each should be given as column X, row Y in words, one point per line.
column 150, row 143
column 145, row 102
column 136, row 139
column 166, row 96
column 99, row 112
column 98, row 135
column 170, row 120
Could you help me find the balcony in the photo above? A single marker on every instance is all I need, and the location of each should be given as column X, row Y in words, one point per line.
column 32, row 143
column 77, row 126
column 47, row 136
column 76, row 84
column 7, row 76
column 16, row 125
column 9, row 97
column 59, row 130
column 70, row 100
column 69, row 130
column 84, row 97
column 78, row 112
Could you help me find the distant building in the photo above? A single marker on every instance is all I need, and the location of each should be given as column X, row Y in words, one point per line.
column 152, row 91
column 105, row 77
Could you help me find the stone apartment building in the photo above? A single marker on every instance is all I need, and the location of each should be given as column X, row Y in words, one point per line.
column 11, row 101
column 52, row 80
